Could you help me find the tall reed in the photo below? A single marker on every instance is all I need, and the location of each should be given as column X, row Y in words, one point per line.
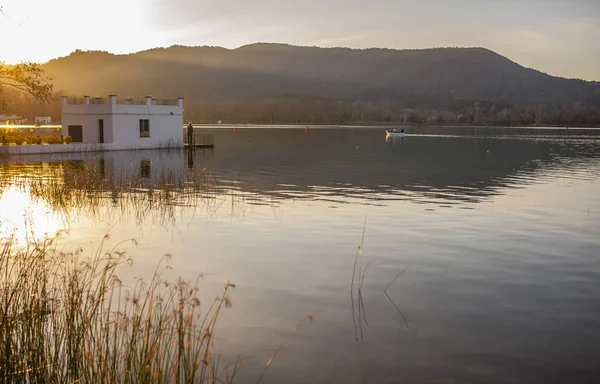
column 66, row 317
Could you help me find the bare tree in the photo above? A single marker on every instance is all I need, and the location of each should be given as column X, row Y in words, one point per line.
column 27, row 78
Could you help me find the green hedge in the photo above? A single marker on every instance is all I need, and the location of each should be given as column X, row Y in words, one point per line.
column 13, row 136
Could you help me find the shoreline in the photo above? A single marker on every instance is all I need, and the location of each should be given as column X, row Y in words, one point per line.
column 382, row 126
column 333, row 125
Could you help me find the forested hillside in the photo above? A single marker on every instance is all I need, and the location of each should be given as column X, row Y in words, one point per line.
column 274, row 83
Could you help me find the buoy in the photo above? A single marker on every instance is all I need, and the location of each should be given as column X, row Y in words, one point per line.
column 306, row 128
column 235, row 128
column 488, row 151
column 357, row 147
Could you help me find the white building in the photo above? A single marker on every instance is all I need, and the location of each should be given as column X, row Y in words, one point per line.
column 12, row 119
column 117, row 124
column 43, row 119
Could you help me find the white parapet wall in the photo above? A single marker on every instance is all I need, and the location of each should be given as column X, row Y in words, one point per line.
column 29, row 149
column 122, row 124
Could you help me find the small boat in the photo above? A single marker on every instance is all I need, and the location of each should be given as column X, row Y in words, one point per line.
column 395, row 133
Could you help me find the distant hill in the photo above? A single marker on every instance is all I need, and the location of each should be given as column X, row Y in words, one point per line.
column 444, row 79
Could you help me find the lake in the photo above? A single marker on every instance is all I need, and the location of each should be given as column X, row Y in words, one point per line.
column 479, row 263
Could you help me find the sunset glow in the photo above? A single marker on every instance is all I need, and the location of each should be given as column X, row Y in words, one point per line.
column 22, row 216
column 558, row 37
column 43, row 30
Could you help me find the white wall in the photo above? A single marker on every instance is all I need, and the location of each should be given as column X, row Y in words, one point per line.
column 91, row 133
column 68, row 148
column 165, row 131
column 51, row 148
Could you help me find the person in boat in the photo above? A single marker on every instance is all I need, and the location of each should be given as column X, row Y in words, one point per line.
column 190, row 133
column 402, row 130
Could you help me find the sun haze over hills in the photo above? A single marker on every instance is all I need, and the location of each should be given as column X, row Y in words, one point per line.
column 428, row 78
column 279, row 83
column 384, row 74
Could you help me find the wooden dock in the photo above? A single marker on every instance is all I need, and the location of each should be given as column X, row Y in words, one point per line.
column 200, row 140
column 186, row 145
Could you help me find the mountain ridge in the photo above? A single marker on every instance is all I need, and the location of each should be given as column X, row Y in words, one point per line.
column 391, row 81
column 283, row 45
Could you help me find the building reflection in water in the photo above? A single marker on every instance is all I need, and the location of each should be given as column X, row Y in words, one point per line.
column 348, row 166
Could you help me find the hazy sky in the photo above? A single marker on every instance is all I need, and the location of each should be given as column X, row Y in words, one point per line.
column 560, row 37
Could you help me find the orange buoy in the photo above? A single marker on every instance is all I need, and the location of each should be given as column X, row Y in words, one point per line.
column 235, row 128
column 306, row 128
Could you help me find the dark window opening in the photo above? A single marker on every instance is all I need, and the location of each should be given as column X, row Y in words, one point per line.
column 76, row 133
column 144, row 128
column 102, row 168
column 145, row 166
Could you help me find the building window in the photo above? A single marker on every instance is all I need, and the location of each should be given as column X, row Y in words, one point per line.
column 144, row 128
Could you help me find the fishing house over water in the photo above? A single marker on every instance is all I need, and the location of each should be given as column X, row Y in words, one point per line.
column 123, row 123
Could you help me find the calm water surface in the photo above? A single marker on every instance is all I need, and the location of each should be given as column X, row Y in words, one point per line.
column 499, row 230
